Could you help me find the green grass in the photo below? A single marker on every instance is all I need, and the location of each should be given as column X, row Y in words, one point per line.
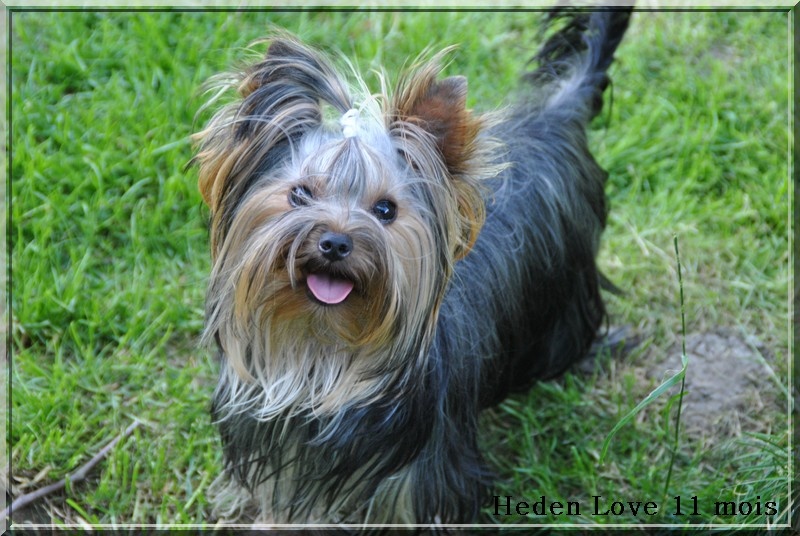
column 110, row 255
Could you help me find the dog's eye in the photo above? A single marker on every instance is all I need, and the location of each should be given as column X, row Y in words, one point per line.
column 385, row 211
column 300, row 196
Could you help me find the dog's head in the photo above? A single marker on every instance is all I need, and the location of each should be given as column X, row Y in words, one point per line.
column 336, row 218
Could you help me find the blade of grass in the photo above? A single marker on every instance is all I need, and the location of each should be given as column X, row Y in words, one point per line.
column 679, row 376
column 685, row 362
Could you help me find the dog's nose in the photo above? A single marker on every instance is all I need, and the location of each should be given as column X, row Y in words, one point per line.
column 335, row 246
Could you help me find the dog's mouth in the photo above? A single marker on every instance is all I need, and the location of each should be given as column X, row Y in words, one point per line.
column 328, row 289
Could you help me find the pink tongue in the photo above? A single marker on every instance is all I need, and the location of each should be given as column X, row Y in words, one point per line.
column 328, row 289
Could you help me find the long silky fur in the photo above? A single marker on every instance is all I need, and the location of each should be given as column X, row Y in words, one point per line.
column 486, row 282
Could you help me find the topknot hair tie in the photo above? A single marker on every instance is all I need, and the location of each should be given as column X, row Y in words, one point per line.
column 349, row 123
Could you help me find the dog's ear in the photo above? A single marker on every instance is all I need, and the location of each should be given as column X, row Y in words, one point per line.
column 290, row 82
column 276, row 63
column 290, row 64
column 439, row 108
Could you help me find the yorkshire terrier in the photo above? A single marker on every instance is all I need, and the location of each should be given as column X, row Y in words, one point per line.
column 386, row 266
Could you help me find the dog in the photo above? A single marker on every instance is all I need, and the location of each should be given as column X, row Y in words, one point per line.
column 386, row 266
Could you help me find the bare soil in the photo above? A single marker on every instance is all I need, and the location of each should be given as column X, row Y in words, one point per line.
column 730, row 384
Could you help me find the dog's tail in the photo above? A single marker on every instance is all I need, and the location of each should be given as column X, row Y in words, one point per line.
column 573, row 62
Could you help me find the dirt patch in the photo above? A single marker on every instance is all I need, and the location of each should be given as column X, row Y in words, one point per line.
column 729, row 384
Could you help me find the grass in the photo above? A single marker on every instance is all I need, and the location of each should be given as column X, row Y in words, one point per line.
column 110, row 258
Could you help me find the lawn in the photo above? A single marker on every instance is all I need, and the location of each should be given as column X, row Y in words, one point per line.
column 109, row 257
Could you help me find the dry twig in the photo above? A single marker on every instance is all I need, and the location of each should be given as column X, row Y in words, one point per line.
column 77, row 476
